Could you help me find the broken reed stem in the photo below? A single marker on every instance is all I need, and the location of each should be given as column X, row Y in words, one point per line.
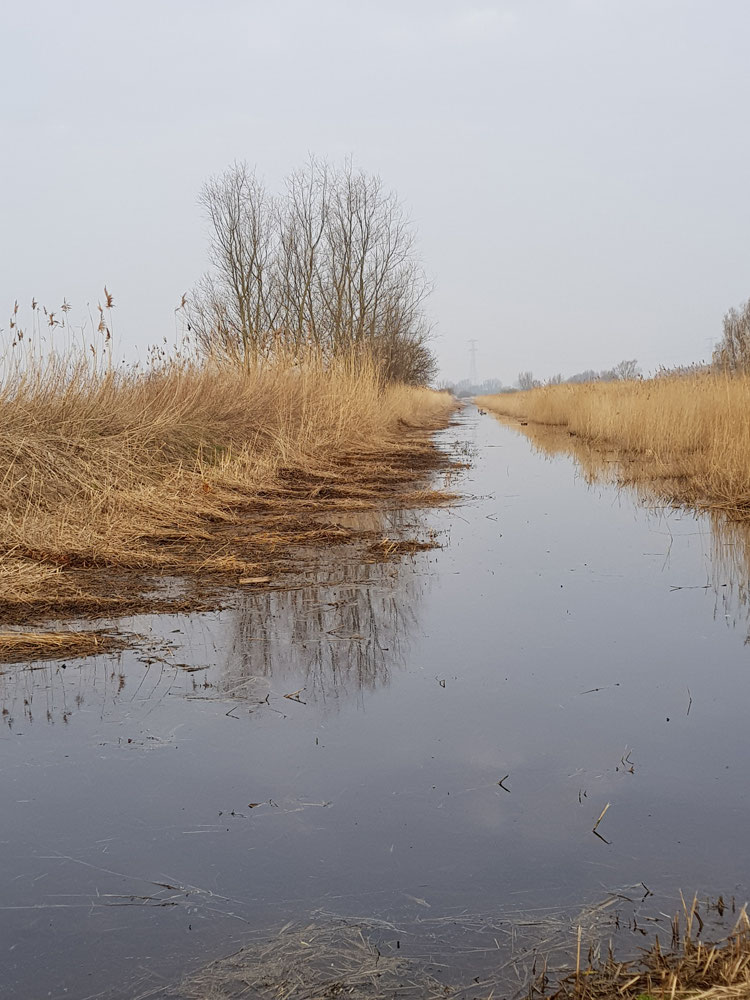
column 601, row 817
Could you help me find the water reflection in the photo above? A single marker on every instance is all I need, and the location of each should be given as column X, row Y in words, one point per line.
column 730, row 570
column 184, row 803
column 55, row 691
column 339, row 637
column 726, row 543
column 335, row 636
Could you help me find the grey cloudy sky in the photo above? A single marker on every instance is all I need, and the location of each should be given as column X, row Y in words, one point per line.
column 577, row 169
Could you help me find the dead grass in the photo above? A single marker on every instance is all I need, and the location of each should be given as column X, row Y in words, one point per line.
column 687, row 435
column 301, row 963
column 390, row 548
column 461, row 955
column 16, row 647
column 111, row 479
column 691, row 970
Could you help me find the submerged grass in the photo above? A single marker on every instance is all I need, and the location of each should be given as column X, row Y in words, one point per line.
column 534, row 956
column 687, row 435
column 302, row 963
column 461, row 955
column 109, row 477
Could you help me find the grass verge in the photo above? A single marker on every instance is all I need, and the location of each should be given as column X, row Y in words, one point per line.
column 113, row 482
column 687, row 436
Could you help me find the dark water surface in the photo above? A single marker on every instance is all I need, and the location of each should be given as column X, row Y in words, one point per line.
column 545, row 642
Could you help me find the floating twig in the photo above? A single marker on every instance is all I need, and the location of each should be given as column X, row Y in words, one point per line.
column 601, row 817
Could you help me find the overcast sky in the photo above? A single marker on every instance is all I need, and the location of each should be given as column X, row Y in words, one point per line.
column 578, row 170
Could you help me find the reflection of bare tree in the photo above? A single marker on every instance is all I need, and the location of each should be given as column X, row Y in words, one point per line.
column 730, row 569
column 339, row 635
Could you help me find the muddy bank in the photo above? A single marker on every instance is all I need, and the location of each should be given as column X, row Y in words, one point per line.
column 268, row 540
column 116, row 481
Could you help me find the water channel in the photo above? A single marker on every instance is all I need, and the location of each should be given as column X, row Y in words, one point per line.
column 458, row 721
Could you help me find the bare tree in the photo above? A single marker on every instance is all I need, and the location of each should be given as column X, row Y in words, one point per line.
column 331, row 265
column 236, row 304
column 526, row 381
column 732, row 353
column 625, row 370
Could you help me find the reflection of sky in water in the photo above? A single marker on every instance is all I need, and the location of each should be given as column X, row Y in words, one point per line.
column 546, row 642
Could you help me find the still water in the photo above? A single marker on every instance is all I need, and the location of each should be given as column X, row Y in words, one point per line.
column 159, row 805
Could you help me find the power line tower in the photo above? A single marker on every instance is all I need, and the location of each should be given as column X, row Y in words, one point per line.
column 473, row 361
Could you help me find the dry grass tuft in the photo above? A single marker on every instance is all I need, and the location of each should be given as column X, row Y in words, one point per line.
column 687, row 435
column 16, row 647
column 692, row 971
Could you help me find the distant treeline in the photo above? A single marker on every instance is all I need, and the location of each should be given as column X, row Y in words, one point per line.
column 526, row 380
column 618, row 373
column 466, row 387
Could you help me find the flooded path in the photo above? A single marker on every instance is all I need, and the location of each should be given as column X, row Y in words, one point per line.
column 160, row 805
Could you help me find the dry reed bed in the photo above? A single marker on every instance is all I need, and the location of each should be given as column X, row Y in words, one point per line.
column 688, row 435
column 110, row 477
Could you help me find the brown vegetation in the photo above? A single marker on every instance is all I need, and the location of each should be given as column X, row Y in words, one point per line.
column 540, row 958
column 297, row 393
column 687, row 436
column 17, row 645
column 113, row 480
column 691, row 970
column 302, row 963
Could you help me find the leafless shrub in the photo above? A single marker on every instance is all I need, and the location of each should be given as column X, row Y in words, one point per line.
column 589, row 375
column 626, row 370
column 526, row 381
